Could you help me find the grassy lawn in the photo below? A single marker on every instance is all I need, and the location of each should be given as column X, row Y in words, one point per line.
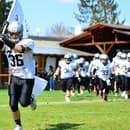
column 85, row 112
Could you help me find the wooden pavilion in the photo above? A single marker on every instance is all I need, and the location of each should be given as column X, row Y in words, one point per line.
column 102, row 38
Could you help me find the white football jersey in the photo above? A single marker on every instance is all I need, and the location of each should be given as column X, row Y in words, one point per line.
column 127, row 74
column 84, row 70
column 93, row 65
column 66, row 70
column 103, row 71
column 121, row 65
column 21, row 64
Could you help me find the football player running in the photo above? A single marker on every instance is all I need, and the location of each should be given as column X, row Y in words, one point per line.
column 103, row 73
column 66, row 71
column 19, row 52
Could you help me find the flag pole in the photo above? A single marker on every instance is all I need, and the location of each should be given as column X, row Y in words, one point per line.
column 5, row 25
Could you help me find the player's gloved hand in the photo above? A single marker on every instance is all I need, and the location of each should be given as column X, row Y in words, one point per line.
column 7, row 41
column 4, row 37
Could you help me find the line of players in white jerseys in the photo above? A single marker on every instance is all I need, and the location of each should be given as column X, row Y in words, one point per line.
column 100, row 75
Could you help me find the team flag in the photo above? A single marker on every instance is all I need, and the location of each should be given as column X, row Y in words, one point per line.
column 16, row 13
column 39, row 86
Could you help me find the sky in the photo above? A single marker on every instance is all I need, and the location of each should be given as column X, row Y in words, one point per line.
column 41, row 15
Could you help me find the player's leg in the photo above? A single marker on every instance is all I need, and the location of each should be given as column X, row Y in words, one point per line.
column 127, row 86
column 15, row 111
column 101, row 87
column 26, row 93
column 64, row 89
column 14, row 93
column 69, row 83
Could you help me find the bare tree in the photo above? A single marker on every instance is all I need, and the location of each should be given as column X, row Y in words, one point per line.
column 59, row 30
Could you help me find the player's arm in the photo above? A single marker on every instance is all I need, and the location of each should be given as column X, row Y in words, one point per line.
column 57, row 72
column 14, row 45
column 21, row 48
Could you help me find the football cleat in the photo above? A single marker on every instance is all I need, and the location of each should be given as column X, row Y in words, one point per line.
column 18, row 127
column 67, row 99
column 33, row 104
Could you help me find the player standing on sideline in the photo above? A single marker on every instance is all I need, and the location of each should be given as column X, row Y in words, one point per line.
column 66, row 71
column 51, row 78
column 21, row 61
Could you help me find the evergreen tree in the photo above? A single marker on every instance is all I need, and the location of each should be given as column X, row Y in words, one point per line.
column 4, row 11
column 95, row 11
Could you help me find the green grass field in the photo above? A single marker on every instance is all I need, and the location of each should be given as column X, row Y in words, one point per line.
column 85, row 112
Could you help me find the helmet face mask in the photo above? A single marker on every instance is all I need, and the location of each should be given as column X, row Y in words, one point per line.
column 104, row 58
column 104, row 61
column 96, row 56
column 67, row 58
column 15, row 31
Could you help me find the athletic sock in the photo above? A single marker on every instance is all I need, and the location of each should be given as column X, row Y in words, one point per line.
column 18, row 122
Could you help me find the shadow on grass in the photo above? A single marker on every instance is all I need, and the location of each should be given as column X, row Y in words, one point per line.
column 64, row 126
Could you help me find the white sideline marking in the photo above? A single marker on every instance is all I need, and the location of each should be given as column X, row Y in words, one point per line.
column 72, row 102
column 3, row 106
column 80, row 102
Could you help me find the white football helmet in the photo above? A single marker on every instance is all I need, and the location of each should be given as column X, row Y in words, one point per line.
column 104, row 58
column 96, row 56
column 123, row 56
column 75, row 56
column 82, row 60
column 15, row 28
column 119, row 54
column 128, row 55
column 68, row 58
